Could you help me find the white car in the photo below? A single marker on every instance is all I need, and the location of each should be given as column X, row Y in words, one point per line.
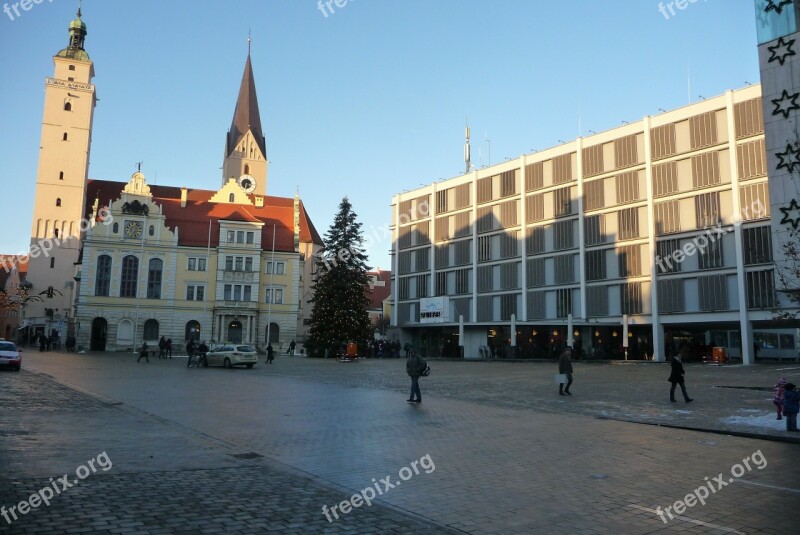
column 9, row 356
column 230, row 355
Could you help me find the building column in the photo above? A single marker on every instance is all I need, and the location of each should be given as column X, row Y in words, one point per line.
column 659, row 354
column 741, row 276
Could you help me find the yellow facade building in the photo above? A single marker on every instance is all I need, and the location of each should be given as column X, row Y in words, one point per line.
column 125, row 262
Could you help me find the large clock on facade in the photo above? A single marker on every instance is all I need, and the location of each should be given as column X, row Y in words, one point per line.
column 247, row 183
column 133, row 229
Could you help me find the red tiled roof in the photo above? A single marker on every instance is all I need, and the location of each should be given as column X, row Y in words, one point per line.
column 192, row 220
column 379, row 293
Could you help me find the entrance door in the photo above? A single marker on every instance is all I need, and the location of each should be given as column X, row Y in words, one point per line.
column 235, row 332
column 99, row 331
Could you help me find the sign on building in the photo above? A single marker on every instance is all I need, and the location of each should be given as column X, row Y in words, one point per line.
column 434, row 310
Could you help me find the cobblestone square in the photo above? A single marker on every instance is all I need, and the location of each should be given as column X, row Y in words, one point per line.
column 263, row 450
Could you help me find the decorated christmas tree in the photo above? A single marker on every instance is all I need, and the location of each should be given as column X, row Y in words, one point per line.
column 339, row 306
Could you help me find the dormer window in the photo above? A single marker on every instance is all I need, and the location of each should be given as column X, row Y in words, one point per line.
column 58, row 202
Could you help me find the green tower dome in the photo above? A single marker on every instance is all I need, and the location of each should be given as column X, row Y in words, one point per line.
column 77, row 37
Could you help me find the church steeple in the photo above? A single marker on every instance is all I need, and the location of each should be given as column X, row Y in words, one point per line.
column 246, row 146
column 77, row 38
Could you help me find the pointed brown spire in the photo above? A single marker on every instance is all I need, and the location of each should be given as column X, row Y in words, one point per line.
column 247, row 117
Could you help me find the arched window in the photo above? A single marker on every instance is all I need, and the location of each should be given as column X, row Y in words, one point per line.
column 65, row 137
column 61, row 175
column 231, row 197
column 192, row 331
column 246, row 169
column 274, row 335
column 115, row 228
column 72, row 67
column 55, row 233
column 58, row 202
column 150, row 330
column 52, row 262
column 125, row 332
column 130, row 274
column 68, row 106
column 154, row 279
column 102, row 281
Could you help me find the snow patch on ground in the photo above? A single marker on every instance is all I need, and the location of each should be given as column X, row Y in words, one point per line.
column 764, row 420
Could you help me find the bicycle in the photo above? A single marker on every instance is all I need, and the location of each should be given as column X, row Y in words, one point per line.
column 198, row 360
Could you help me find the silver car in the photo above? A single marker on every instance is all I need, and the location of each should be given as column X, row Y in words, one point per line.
column 9, row 355
column 230, row 355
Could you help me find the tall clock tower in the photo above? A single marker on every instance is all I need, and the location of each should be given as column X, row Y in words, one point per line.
column 245, row 147
column 61, row 184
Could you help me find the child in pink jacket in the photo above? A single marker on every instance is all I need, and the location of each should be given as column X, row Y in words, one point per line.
column 777, row 396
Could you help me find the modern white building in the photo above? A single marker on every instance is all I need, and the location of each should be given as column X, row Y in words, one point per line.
column 665, row 225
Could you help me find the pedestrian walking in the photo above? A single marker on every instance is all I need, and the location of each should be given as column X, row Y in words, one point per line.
column 169, row 347
column 415, row 366
column 270, row 353
column 143, row 353
column 791, row 406
column 676, row 377
column 565, row 368
column 162, row 348
column 777, row 397
column 292, row 345
column 190, row 351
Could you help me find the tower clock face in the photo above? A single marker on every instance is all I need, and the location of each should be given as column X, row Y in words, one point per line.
column 133, row 229
column 247, row 183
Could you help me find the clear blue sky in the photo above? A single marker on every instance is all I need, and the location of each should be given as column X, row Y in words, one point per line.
column 366, row 102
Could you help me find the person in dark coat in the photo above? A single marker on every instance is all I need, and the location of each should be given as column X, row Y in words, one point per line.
column 144, row 353
column 162, row 348
column 676, row 378
column 169, row 347
column 414, row 367
column 565, row 367
column 270, row 354
column 791, row 406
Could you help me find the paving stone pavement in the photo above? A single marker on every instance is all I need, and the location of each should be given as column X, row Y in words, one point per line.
column 161, row 479
column 509, row 456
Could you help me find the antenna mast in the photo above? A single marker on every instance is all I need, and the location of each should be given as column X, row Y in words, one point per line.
column 467, row 149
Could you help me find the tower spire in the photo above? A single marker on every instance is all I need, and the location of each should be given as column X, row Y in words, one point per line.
column 249, row 42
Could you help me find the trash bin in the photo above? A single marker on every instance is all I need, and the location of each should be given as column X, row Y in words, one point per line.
column 719, row 355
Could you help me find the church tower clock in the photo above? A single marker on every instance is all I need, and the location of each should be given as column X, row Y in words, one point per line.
column 245, row 147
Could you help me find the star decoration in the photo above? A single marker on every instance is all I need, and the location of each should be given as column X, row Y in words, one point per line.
column 787, row 214
column 778, row 8
column 789, row 158
column 781, row 50
column 786, row 103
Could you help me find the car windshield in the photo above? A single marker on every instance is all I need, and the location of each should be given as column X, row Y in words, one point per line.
column 245, row 349
column 7, row 346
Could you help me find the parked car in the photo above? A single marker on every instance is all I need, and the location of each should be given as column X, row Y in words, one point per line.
column 9, row 355
column 230, row 355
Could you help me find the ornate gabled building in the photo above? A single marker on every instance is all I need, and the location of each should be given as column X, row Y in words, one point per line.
column 159, row 261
